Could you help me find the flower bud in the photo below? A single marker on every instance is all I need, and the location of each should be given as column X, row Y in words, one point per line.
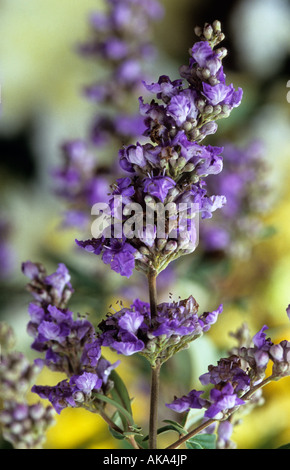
column 217, row 27
column 208, row 31
column 170, row 247
column 197, row 31
column 276, row 351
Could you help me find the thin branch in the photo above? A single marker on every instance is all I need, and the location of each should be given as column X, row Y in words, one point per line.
column 116, row 428
column 191, row 434
column 155, row 372
column 152, row 276
column 200, row 428
column 153, row 423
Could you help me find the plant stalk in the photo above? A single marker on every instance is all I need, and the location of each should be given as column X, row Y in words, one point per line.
column 152, row 276
column 155, row 370
column 153, row 423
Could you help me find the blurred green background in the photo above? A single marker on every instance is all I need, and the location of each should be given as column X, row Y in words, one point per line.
column 41, row 105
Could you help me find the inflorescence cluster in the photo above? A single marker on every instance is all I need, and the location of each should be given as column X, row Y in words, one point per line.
column 171, row 168
column 121, row 41
column 24, row 425
column 70, row 345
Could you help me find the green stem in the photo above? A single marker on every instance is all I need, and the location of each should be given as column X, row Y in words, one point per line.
column 155, row 370
column 110, row 422
column 153, row 423
column 152, row 276
column 116, row 428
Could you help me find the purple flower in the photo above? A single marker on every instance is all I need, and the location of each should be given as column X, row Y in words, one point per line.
column 31, row 270
column 120, row 256
column 207, row 160
column 132, row 330
column 164, row 88
column 158, row 186
column 132, row 155
column 222, row 94
column 86, row 382
column 280, row 355
column 55, row 289
column 260, row 339
column 209, row 318
column 197, row 195
column 49, row 331
column 91, row 353
column 94, row 245
column 177, row 318
column 104, row 369
column 186, row 402
column 227, row 370
column 131, row 321
column 225, row 430
column 60, row 395
column 59, row 280
column 128, row 345
column 123, row 187
column 205, row 57
column 182, row 107
column 222, row 401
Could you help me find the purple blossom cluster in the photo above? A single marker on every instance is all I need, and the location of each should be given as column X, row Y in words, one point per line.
column 172, row 167
column 16, row 375
column 243, row 182
column 132, row 330
column 25, row 426
column 54, row 289
column 121, row 38
column 69, row 345
column 236, row 379
column 80, row 182
column 121, row 42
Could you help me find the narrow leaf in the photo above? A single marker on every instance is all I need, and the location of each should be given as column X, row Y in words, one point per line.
column 119, row 392
column 176, row 426
column 202, row 441
column 169, row 427
column 117, row 405
column 285, row 446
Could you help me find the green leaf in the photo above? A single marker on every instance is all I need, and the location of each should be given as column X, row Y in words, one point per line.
column 172, row 426
column 285, row 446
column 116, row 434
column 120, row 392
column 120, row 408
column 202, row 441
column 176, row 426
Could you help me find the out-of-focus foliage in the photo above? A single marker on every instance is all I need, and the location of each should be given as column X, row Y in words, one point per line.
column 41, row 78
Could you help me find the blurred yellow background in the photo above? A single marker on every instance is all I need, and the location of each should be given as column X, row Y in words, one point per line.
column 41, row 105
